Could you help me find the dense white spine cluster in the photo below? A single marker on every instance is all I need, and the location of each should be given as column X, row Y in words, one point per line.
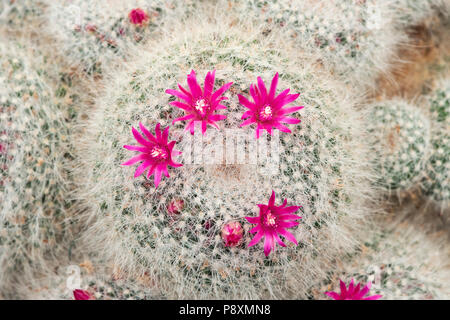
column 33, row 140
column 400, row 138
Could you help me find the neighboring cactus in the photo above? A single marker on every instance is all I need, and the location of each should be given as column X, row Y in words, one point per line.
column 411, row 12
column 184, row 245
column 19, row 14
column 402, row 262
column 94, row 33
column 436, row 180
column 400, row 139
column 349, row 35
column 97, row 285
column 33, row 139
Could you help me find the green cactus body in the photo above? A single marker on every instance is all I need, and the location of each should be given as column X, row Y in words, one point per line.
column 400, row 138
column 405, row 263
column 320, row 169
column 32, row 138
column 436, row 180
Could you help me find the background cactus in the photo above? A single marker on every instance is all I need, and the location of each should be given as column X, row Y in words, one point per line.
column 321, row 168
column 436, row 181
column 18, row 14
column 33, row 138
column 404, row 256
column 355, row 48
column 90, row 34
column 400, row 139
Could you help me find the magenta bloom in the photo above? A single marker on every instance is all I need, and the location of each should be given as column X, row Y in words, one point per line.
column 200, row 105
column 273, row 222
column 138, row 16
column 266, row 110
column 232, row 234
column 156, row 153
column 79, row 294
column 352, row 292
column 175, row 206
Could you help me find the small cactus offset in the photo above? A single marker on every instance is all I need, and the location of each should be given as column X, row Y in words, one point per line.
column 32, row 143
column 436, row 180
column 400, row 139
column 194, row 231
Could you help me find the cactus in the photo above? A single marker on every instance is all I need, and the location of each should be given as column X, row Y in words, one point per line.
column 349, row 35
column 92, row 34
column 33, row 138
column 436, row 180
column 19, row 14
column 321, row 168
column 400, row 139
column 98, row 285
column 403, row 260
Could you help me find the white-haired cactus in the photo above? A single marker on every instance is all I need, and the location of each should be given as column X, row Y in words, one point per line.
column 349, row 35
column 92, row 33
column 190, row 234
column 75, row 283
column 400, row 138
column 436, row 180
column 18, row 14
column 404, row 262
column 33, row 137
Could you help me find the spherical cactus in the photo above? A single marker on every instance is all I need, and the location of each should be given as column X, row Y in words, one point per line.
column 404, row 262
column 350, row 36
column 208, row 246
column 436, row 180
column 33, row 137
column 92, row 34
column 400, row 139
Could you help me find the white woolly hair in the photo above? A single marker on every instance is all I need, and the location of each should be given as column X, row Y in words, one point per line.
column 91, row 34
column 406, row 256
column 436, row 177
column 323, row 168
column 357, row 40
column 34, row 138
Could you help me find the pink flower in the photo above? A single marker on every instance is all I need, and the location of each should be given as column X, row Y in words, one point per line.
column 175, row 206
column 199, row 104
column 138, row 16
column 352, row 292
column 232, row 234
column 79, row 294
column 156, row 153
column 266, row 110
column 271, row 222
